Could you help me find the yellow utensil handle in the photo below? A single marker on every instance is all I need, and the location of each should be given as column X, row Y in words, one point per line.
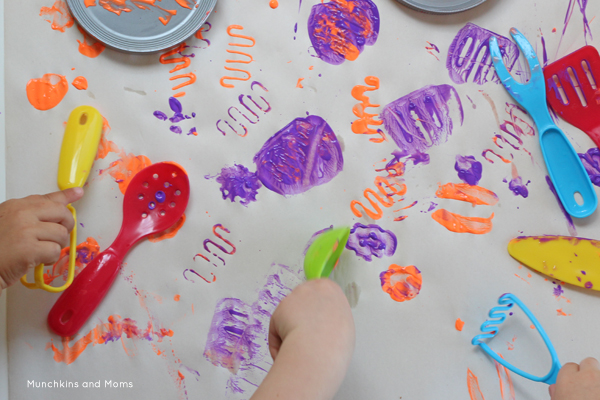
column 38, row 273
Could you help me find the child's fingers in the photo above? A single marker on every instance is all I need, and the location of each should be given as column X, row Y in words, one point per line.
column 47, row 252
column 57, row 213
column 51, row 232
column 66, row 196
column 589, row 363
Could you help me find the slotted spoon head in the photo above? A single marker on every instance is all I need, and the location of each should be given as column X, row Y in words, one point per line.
column 154, row 201
column 583, row 116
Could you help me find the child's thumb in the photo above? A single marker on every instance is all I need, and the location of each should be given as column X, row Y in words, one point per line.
column 67, row 196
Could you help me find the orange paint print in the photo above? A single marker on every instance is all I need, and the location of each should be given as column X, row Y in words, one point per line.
column 459, row 324
column 80, row 83
column 58, row 15
column 461, row 224
column 183, row 62
column 90, row 47
column 476, row 195
column 387, row 202
column 86, row 252
column 230, row 28
column 401, row 283
column 168, row 233
column 124, row 169
column 47, row 92
column 361, row 125
column 299, row 84
column 473, row 386
column 89, row 3
column 105, row 146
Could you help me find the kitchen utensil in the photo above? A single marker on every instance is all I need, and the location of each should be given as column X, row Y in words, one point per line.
column 566, row 171
column 155, row 200
column 144, row 28
column 585, row 68
column 490, row 329
column 324, row 252
column 441, row 6
column 563, row 258
column 79, row 148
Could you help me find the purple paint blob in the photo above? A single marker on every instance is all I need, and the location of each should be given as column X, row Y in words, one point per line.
column 193, row 131
column 160, row 115
column 302, row 155
column 175, row 129
column 371, row 240
column 175, row 105
column 339, row 30
column 238, row 181
column 160, row 196
column 589, row 285
column 469, row 169
column 469, row 55
column 591, row 162
column 558, row 291
column 421, row 119
column 518, row 188
column 432, row 206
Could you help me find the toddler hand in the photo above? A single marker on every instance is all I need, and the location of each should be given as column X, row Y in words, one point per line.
column 577, row 382
column 33, row 230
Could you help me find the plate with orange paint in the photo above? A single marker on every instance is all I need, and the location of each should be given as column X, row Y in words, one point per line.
column 441, row 6
column 141, row 26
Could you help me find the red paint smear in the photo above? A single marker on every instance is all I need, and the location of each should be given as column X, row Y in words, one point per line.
column 104, row 333
column 473, row 385
column 80, row 83
column 169, row 233
column 43, row 94
column 86, row 252
column 401, row 283
column 124, row 169
column 58, row 15
column 461, row 224
column 459, row 324
column 90, row 47
column 476, row 195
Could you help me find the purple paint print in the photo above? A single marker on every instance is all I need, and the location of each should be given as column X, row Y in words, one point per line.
column 177, row 117
column 469, row 55
column 558, row 291
column 469, row 169
column 518, row 188
column 238, row 181
column 339, row 30
column 302, row 155
column 160, row 115
column 175, row 129
column 421, row 119
column 591, row 162
column 570, row 224
column 371, row 240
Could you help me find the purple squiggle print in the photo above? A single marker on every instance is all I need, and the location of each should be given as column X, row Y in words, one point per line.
column 371, row 240
column 469, row 55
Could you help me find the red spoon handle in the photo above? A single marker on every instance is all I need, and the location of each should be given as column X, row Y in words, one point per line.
column 74, row 307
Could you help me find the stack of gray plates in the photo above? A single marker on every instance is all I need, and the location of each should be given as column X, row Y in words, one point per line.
column 441, row 6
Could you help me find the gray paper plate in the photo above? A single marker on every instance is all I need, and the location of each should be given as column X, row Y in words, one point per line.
column 140, row 31
column 441, row 6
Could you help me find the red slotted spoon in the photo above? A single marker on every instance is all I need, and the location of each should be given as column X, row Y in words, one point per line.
column 583, row 116
column 155, row 200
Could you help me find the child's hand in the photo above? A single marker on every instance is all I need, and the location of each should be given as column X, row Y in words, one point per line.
column 311, row 339
column 577, row 382
column 33, row 230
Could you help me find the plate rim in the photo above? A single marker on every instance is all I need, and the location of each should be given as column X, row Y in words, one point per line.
column 417, row 5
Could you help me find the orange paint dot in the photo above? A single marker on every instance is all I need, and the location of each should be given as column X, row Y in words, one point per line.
column 459, row 324
column 311, row 67
column 46, row 92
column 299, row 84
column 80, row 83
column 177, row 297
column 401, row 283
column 274, row 4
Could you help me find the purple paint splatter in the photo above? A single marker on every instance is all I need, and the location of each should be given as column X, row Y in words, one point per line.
column 371, row 240
column 304, row 154
column 160, row 115
column 558, row 291
column 339, row 30
column 469, row 55
column 589, row 285
column 238, row 181
column 421, row 119
column 177, row 117
column 591, row 162
column 518, row 188
column 469, row 169
column 175, row 129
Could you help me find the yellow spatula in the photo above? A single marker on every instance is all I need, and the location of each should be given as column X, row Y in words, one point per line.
column 79, row 148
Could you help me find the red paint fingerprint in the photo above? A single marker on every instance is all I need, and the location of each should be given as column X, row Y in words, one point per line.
column 80, row 83
column 90, row 47
column 86, row 252
column 473, row 385
column 46, row 92
column 361, row 125
column 124, row 169
column 461, row 224
column 476, row 195
column 58, row 15
column 401, row 283
column 459, row 324
column 169, row 233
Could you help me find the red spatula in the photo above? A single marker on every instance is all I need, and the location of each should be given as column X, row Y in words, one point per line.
column 154, row 201
column 572, row 88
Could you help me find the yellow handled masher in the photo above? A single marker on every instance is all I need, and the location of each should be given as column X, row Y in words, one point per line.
column 77, row 154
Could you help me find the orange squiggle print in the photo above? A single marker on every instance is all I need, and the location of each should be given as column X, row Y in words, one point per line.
column 388, row 202
column 461, row 224
column 473, row 385
column 250, row 58
column 361, row 125
column 46, row 92
column 90, row 47
column 476, row 195
column 183, row 62
column 58, row 15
